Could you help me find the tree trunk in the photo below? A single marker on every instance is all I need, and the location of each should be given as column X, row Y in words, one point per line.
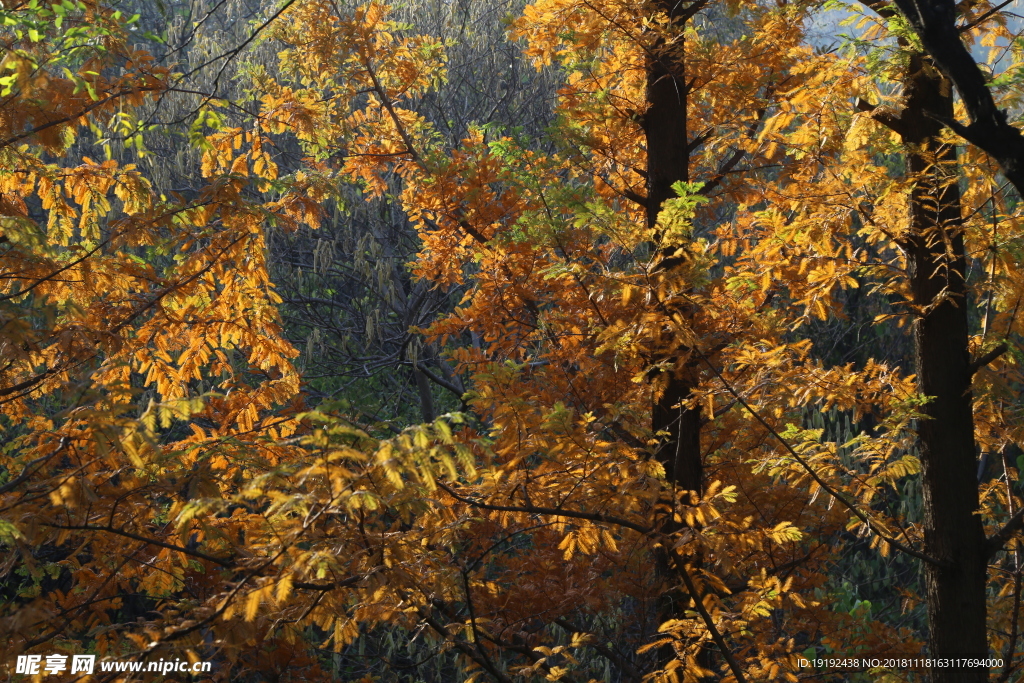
column 935, row 23
column 955, row 592
column 668, row 162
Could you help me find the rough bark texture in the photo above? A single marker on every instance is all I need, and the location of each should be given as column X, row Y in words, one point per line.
column 955, row 592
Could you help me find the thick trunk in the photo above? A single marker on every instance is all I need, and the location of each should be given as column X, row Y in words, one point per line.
column 935, row 23
column 955, row 592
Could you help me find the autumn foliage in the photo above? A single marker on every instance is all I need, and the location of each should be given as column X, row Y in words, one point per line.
column 169, row 488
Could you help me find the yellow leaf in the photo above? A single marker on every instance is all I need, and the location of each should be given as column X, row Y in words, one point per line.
column 252, row 605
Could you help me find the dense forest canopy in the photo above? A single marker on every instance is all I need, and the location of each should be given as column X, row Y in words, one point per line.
column 576, row 340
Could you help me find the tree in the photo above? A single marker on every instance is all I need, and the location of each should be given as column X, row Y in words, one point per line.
column 936, row 251
column 649, row 480
column 124, row 310
column 545, row 261
column 349, row 297
column 935, row 247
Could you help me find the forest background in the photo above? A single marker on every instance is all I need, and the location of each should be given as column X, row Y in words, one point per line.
column 577, row 340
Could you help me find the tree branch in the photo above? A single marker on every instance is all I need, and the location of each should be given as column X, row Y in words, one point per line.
column 883, row 116
column 986, row 15
column 559, row 512
column 222, row 562
column 816, row 477
column 77, row 115
column 934, row 21
column 996, row 541
column 709, row 622
column 982, row 361
column 439, row 381
column 325, row 587
column 37, row 463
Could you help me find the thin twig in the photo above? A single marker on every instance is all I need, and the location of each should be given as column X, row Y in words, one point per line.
column 816, row 477
column 33, row 467
column 558, row 512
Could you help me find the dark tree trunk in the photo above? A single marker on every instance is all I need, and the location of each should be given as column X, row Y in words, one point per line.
column 955, row 591
column 935, row 22
column 668, row 162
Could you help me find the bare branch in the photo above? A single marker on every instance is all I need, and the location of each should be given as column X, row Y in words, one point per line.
column 33, row 467
column 1000, row 538
column 558, row 512
column 984, row 360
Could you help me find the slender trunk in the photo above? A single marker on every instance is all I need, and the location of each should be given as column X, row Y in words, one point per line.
column 426, row 398
column 668, row 162
column 955, row 592
column 665, row 126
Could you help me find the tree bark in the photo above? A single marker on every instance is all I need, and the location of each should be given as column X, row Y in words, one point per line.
column 934, row 21
column 955, row 591
column 668, row 162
